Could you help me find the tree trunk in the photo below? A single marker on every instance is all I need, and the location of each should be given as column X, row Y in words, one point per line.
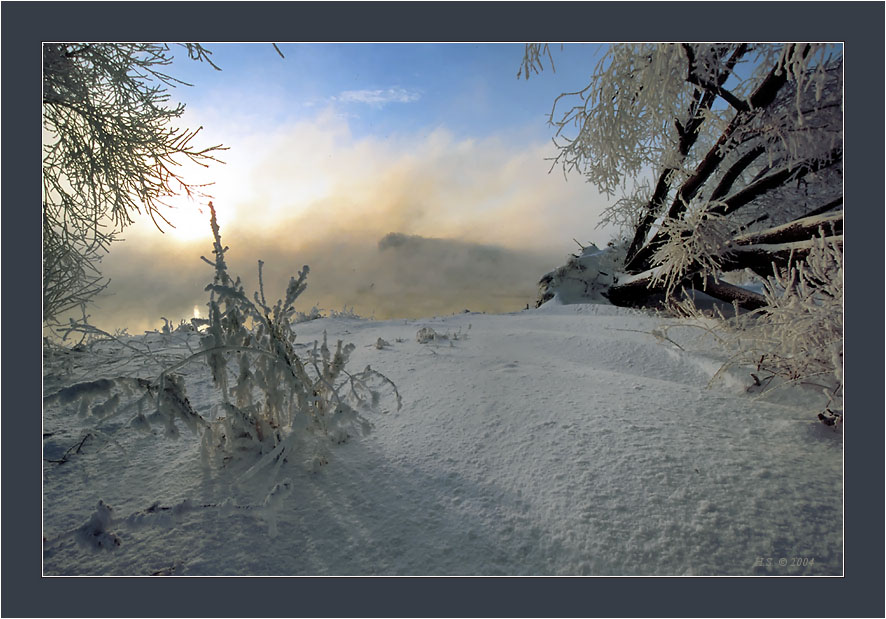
column 639, row 258
column 687, row 137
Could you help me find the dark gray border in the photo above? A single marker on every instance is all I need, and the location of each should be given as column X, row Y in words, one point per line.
column 859, row 24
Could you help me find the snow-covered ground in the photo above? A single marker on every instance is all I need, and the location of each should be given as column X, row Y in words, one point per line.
column 567, row 440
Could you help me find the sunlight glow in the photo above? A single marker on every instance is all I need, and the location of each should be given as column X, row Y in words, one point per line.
column 191, row 218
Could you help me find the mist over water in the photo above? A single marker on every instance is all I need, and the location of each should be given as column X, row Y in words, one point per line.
column 398, row 276
column 402, row 226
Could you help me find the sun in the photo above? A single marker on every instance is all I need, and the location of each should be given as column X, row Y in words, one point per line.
column 190, row 218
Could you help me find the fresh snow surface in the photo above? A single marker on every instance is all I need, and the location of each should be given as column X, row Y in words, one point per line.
column 568, row 440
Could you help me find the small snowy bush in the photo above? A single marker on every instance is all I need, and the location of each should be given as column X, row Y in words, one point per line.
column 798, row 335
column 381, row 344
column 274, row 401
column 425, row 335
column 313, row 314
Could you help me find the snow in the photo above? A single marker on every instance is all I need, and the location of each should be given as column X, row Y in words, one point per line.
column 585, row 277
column 566, row 440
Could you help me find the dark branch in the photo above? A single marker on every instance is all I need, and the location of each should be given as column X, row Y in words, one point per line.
column 75, row 448
column 735, row 171
column 746, row 299
column 715, row 89
column 643, row 292
column 688, row 134
column 763, row 96
column 827, row 207
column 770, row 182
column 763, row 259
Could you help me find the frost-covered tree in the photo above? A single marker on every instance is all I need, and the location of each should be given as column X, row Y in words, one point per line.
column 110, row 149
column 718, row 157
column 724, row 162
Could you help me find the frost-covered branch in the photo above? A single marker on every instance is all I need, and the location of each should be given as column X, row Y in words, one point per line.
column 109, row 150
column 273, row 400
column 776, row 179
column 713, row 88
column 798, row 230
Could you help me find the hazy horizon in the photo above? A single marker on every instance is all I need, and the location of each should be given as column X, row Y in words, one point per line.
column 337, row 146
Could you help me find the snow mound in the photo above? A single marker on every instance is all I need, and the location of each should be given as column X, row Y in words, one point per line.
column 583, row 279
column 95, row 533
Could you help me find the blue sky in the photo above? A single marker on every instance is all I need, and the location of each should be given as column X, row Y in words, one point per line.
column 471, row 89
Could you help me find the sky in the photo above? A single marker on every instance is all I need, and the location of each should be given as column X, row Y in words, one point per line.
column 332, row 149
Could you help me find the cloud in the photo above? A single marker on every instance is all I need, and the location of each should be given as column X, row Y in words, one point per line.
column 401, row 226
column 378, row 97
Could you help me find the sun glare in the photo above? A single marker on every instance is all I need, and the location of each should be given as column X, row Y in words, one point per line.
column 191, row 218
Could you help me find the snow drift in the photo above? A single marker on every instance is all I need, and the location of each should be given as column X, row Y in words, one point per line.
column 565, row 440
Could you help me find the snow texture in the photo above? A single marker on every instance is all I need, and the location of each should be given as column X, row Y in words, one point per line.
column 566, row 440
column 583, row 279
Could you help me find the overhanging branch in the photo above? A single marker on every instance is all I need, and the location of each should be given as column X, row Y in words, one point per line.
column 762, row 96
column 761, row 258
column 773, row 180
column 688, row 135
column 798, row 230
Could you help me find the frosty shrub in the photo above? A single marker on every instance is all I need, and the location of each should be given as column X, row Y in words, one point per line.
column 273, row 401
column 347, row 312
column 798, row 335
column 425, row 335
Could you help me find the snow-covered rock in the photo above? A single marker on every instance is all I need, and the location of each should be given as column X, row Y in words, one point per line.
column 583, row 279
